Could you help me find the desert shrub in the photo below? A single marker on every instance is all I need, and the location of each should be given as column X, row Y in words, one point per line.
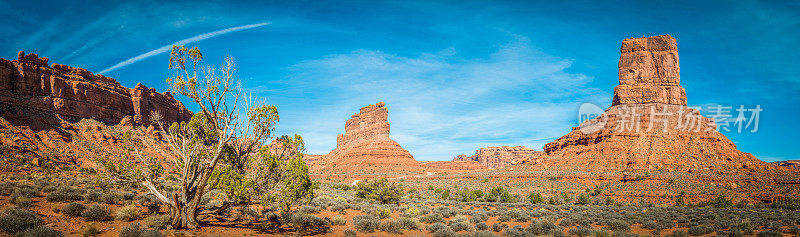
column 137, row 230
column 409, row 223
column 479, row 217
column 150, row 202
column 383, row 212
column 769, row 233
column 73, row 209
column 89, row 229
column 436, row 227
column 411, row 212
column 40, row 231
column 497, row 227
column 309, row 209
column 248, row 215
column 65, row 194
column 650, row 225
column 583, row 232
column 338, row 220
column 339, row 207
column 128, row 195
column 157, row 221
column 536, row 198
column 350, row 233
column 460, row 225
column 700, row 230
column 444, row 211
column 481, row 226
column 22, row 201
column 381, row 190
column 96, row 213
column 617, row 225
column 432, row 218
column 679, row 233
column 391, row 226
column 14, row 220
column 583, row 200
column 514, row 232
column 111, row 198
column 444, row 233
column 366, row 223
column 306, row 223
column 93, row 196
column 127, row 213
column 483, row 233
column 20, row 192
column 719, row 202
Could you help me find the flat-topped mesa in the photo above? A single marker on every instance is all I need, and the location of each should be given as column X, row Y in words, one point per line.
column 649, row 72
column 29, row 87
column 500, row 156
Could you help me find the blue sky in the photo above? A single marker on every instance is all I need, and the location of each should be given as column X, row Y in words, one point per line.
column 455, row 75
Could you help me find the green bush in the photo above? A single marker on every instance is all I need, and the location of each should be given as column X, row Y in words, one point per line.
column 536, row 198
column 338, row 220
column 432, row 218
column 437, row 227
column 14, row 220
column 383, row 212
column 583, row 200
column 73, row 209
column 500, row 194
column 350, row 233
column 409, row 223
column 40, row 231
column 157, row 221
column 366, row 223
column 128, row 213
column 90, row 229
column 381, row 190
column 96, row 213
column 481, row 226
column 137, row 230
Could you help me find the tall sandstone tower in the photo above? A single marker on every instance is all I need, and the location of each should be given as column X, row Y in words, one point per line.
column 648, row 127
column 366, row 142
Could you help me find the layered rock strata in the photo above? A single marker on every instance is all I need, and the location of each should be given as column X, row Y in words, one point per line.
column 28, row 83
column 500, row 156
column 648, row 127
column 366, row 141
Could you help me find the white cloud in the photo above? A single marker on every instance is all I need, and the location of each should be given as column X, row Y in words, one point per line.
column 439, row 104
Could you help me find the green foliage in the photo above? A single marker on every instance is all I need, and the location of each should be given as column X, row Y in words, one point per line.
column 720, row 202
column 128, row 213
column 282, row 176
column 788, row 203
column 65, row 194
column 445, row 194
column 500, row 194
column 535, row 198
column 465, row 195
column 583, row 200
column 157, row 221
column 383, row 212
column 233, row 183
column 679, row 202
column 380, row 190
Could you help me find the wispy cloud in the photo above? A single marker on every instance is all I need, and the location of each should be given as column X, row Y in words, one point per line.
column 441, row 105
column 168, row 47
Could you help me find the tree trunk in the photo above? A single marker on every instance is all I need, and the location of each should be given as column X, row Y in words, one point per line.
column 184, row 215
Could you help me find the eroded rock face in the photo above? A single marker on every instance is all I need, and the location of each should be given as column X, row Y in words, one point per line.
column 455, row 165
column 500, row 156
column 649, row 72
column 366, row 141
column 648, row 127
column 29, row 83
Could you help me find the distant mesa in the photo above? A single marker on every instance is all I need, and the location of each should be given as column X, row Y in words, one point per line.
column 29, row 88
column 500, row 156
column 648, row 127
column 366, row 143
column 793, row 164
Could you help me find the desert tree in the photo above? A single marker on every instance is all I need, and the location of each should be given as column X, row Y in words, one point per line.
column 227, row 145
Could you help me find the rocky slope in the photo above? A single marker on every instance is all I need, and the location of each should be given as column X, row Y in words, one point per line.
column 30, row 88
column 794, row 164
column 648, row 126
column 500, row 156
column 366, row 143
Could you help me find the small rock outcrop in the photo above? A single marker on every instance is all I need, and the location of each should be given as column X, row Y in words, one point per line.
column 500, row 156
column 366, row 142
column 648, row 127
column 28, row 83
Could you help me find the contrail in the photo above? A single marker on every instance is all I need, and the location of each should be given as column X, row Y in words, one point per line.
column 168, row 47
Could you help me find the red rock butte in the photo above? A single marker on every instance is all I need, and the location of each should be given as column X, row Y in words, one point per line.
column 648, row 127
column 366, row 142
column 29, row 84
column 500, row 156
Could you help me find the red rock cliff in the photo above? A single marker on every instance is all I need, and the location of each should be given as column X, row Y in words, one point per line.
column 28, row 83
column 500, row 156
